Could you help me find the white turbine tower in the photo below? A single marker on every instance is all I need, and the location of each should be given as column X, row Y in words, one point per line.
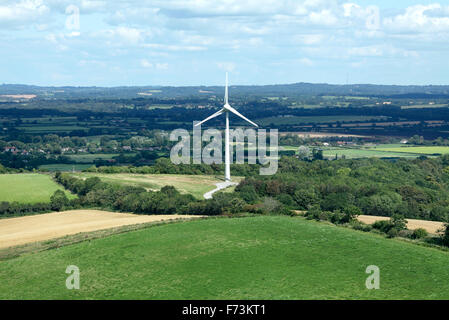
column 226, row 109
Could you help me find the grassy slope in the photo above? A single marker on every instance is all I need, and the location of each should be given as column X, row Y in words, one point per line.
column 261, row 258
column 197, row 185
column 28, row 188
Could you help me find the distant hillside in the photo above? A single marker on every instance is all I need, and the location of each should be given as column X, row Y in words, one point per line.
column 283, row 90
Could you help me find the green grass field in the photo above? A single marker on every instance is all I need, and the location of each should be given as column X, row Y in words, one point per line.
column 380, row 151
column 28, row 188
column 429, row 150
column 318, row 119
column 197, row 185
column 244, row 258
column 89, row 158
column 65, row 167
column 354, row 153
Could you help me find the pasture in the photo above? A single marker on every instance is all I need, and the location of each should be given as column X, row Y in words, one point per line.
column 246, row 258
column 196, row 185
column 424, row 150
column 90, row 158
column 64, row 167
column 28, row 188
column 293, row 120
column 356, row 153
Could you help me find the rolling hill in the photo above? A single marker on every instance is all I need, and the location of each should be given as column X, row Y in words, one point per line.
column 266, row 257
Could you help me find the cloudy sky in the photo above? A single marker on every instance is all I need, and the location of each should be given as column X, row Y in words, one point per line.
column 192, row 42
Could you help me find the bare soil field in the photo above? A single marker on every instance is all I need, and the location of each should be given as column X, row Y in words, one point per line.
column 430, row 226
column 22, row 230
column 19, row 96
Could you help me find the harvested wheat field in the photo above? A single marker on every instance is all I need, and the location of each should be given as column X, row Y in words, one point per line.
column 412, row 224
column 22, row 230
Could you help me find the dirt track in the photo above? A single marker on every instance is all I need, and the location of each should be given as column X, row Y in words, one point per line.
column 429, row 226
column 21, row 230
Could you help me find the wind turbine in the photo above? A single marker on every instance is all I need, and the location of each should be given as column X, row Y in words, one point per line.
column 226, row 109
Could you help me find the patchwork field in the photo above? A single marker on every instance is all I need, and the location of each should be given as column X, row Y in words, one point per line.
column 292, row 120
column 21, row 230
column 385, row 151
column 429, row 150
column 28, row 188
column 245, row 258
column 64, row 167
column 197, row 185
column 89, row 158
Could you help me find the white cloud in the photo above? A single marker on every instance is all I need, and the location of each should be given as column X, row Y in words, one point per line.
column 306, row 62
column 22, row 13
column 309, row 39
column 323, row 17
column 420, row 18
column 371, row 51
column 158, row 66
column 146, row 64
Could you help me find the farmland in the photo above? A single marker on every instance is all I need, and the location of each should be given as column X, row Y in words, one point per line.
column 428, row 150
column 360, row 152
column 194, row 185
column 42, row 227
column 64, row 167
column 246, row 258
column 381, row 151
column 28, row 188
column 89, row 158
column 323, row 119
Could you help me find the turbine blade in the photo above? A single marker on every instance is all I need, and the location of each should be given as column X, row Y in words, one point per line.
column 216, row 114
column 226, row 90
column 228, row 107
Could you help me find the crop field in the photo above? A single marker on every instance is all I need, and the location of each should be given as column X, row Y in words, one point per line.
column 28, row 188
column 88, row 158
column 355, row 153
column 52, row 129
column 421, row 106
column 42, row 227
column 246, row 258
column 319, row 119
column 64, row 167
column 197, row 185
column 384, row 151
column 426, row 150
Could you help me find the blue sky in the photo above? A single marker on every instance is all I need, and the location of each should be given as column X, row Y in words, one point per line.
column 193, row 42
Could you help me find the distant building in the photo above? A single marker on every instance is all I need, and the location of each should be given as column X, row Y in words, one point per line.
column 10, row 149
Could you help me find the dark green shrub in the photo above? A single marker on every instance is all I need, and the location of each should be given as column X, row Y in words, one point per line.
column 339, row 217
column 383, row 225
column 58, row 200
column 286, row 199
column 398, row 222
column 316, row 213
column 392, row 233
column 419, row 233
column 357, row 225
column 405, row 233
